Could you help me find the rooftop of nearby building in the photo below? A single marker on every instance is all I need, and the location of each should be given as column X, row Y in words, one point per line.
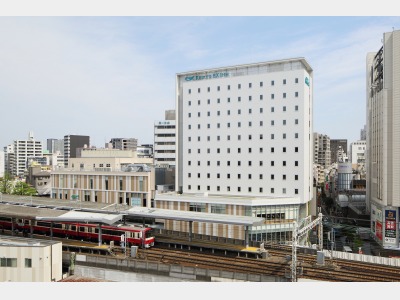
column 14, row 241
column 289, row 60
column 246, row 200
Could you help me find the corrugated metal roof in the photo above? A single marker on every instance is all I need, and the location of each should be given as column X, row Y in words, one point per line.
column 84, row 217
column 193, row 216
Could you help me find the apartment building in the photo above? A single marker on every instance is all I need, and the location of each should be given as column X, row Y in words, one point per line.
column 124, row 143
column 244, row 146
column 322, row 150
column 2, row 164
column 164, row 140
column 22, row 151
column 8, row 157
column 357, row 152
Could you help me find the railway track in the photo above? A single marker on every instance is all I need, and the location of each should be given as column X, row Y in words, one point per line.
column 374, row 271
column 277, row 264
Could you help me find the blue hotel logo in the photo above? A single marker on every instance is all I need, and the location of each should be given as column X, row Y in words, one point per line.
column 208, row 76
column 307, row 81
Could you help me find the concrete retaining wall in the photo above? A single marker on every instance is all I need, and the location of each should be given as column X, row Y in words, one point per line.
column 174, row 271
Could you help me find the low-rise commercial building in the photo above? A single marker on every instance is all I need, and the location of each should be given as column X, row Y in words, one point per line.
column 30, row 260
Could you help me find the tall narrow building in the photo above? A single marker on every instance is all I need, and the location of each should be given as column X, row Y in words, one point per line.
column 383, row 140
column 322, row 150
column 22, row 151
column 2, row 164
column 244, row 147
column 72, row 143
column 336, row 145
column 55, row 145
column 164, row 140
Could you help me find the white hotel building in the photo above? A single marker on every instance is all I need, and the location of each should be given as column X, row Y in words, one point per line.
column 244, row 147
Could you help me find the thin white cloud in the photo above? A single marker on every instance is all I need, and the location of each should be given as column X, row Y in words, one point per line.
column 109, row 77
column 53, row 72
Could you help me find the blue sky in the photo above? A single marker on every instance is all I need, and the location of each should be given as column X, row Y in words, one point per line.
column 114, row 76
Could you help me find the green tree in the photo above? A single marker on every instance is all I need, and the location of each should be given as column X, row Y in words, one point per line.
column 22, row 188
column 6, row 184
column 328, row 202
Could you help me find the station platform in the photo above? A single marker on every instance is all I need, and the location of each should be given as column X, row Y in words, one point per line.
column 213, row 246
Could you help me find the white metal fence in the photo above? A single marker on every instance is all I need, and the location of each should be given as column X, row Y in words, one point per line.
column 395, row 262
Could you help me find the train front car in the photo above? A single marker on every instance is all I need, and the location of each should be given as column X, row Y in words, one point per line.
column 148, row 237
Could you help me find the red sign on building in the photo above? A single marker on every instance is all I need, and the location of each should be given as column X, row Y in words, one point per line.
column 379, row 230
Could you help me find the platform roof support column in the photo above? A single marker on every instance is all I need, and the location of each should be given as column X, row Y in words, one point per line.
column 100, row 241
column 51, row 230
column 31, row 228
column 190, row 230
column 246, row 235
column 12, row 226
column 321, row 230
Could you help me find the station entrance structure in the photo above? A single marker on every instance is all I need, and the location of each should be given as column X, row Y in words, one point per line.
column 52, row 210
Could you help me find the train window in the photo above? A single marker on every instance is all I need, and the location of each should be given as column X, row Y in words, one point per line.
column 149, row 233
column 73, row 227
column 82, row 229
column 106, row 231
column 57, row 225
column 96, row 230
column 112, row 232
column 44, row 224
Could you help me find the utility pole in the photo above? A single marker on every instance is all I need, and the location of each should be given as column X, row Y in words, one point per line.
column 297, row 233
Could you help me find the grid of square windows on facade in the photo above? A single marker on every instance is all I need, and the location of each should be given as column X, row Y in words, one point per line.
column 289, row 104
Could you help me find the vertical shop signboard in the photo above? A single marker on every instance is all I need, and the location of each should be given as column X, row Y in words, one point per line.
column 390, row 226
column 379, row 230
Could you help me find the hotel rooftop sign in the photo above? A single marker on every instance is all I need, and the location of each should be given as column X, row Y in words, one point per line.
column 208, row 76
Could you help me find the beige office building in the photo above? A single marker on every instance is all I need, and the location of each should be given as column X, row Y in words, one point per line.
column 106, row 176
column 383, row 140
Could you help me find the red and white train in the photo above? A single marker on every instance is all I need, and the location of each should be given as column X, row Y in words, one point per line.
column 141, row 236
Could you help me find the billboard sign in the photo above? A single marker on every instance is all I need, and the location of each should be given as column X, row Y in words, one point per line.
column 390, row 226
column 379, row 230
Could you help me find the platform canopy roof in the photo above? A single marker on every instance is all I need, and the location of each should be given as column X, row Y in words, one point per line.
column 168, row 214
column 83, row 217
